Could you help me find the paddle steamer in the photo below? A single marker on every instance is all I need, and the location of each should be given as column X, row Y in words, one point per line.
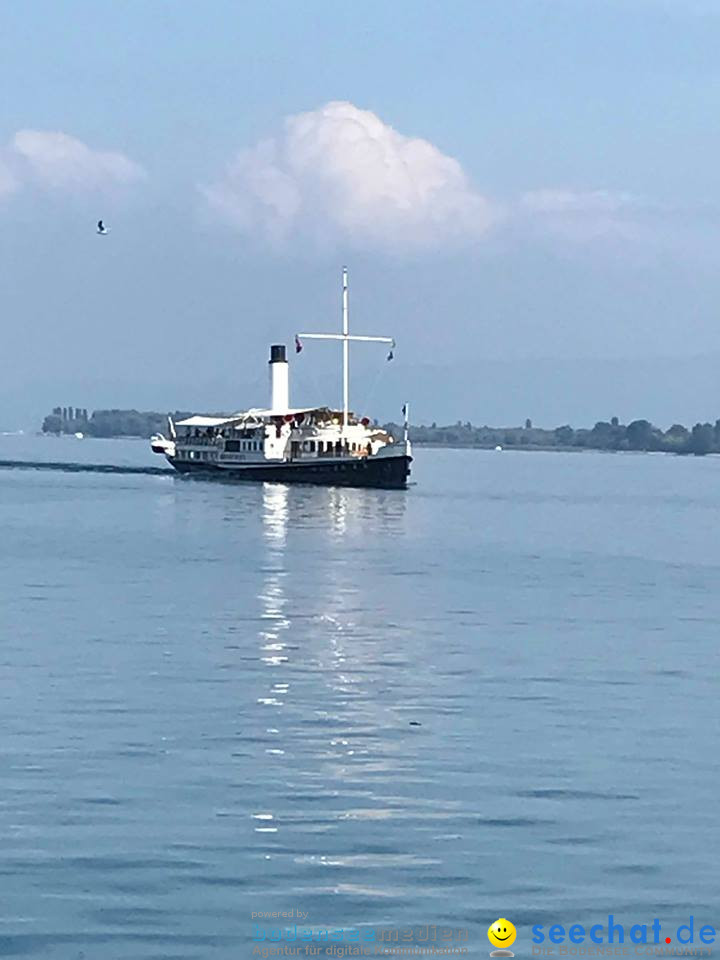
column 321, row 445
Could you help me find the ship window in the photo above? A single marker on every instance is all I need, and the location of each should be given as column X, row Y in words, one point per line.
column 232, row 446
column 312, row 446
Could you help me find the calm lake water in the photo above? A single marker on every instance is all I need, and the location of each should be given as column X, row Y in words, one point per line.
column 207, row 695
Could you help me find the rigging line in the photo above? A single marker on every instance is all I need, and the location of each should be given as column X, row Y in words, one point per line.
column 370, row 393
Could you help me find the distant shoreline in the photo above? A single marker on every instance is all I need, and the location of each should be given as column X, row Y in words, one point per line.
column 424, row 445
column 550, row 449
column 639, row 436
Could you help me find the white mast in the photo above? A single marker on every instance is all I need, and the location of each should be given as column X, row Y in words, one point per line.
column 346, row 338
column 346, row 347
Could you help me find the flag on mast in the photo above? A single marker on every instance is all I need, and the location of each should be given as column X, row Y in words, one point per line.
column 391, row 355
column 298, row 344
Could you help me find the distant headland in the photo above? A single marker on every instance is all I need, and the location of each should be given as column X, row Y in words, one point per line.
column 639, row 435
column 107, row 423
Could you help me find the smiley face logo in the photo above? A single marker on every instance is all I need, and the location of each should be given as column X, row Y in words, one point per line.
column 502, row 933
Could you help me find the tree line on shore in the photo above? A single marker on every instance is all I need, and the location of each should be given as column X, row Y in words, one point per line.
column 640, row 435
column 107, row 423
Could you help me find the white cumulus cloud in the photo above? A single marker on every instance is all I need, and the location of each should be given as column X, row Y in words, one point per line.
column 340, row 174
column 58, row 160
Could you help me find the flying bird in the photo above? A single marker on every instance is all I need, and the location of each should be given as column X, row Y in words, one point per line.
column 101, row 228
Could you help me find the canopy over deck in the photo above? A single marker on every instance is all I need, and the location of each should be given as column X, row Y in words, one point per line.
column 255, row 413
column 200, row 421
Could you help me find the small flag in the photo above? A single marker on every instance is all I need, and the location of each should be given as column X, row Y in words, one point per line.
column 391, row 356
column 298, row 344
column 404, row 410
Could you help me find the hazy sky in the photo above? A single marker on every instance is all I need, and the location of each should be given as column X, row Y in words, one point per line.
column 525, row 191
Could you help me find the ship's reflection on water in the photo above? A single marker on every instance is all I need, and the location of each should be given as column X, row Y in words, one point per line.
column 333, row 600
column 273, row 598
column 325, row 644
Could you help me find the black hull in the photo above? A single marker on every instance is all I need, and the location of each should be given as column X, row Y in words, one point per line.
column 389, row 473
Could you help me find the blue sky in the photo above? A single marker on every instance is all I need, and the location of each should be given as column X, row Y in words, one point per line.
column 526, row 194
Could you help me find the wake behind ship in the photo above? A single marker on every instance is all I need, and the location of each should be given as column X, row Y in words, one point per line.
column 320, row 445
